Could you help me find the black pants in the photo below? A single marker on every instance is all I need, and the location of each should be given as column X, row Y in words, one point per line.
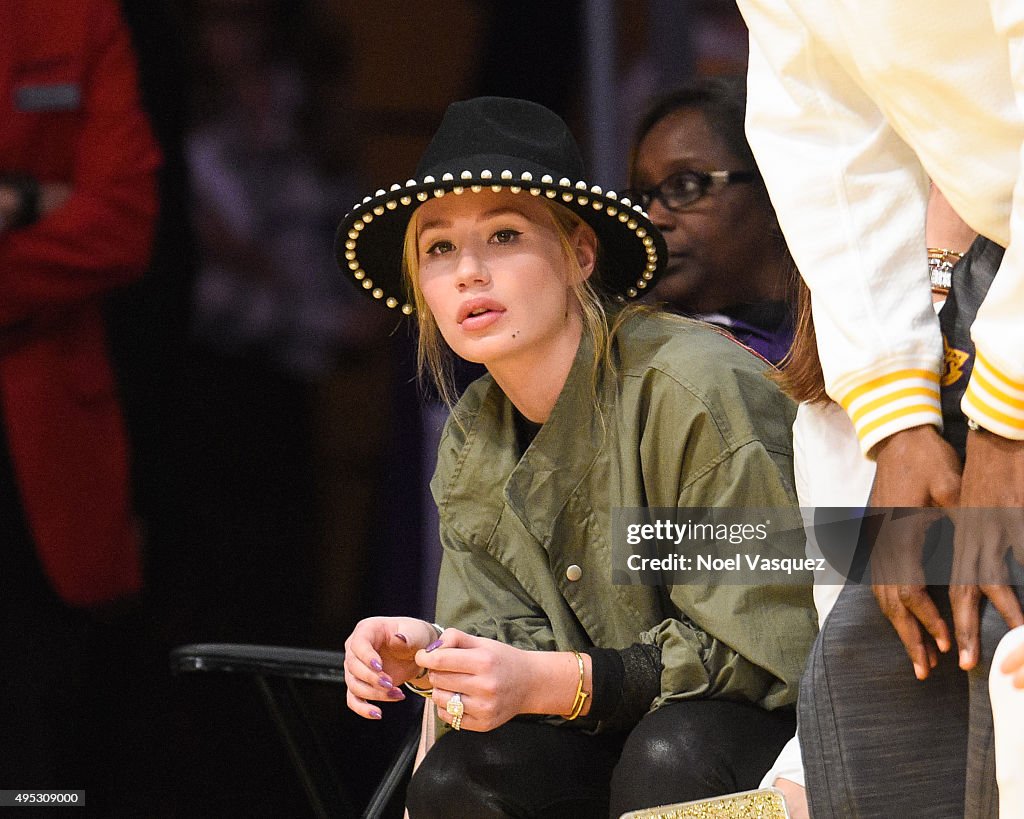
column 687, row 750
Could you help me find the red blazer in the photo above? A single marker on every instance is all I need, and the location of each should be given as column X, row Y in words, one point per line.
column 70, row 112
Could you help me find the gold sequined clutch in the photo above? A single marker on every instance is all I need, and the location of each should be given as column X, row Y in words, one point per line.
column 765, row 803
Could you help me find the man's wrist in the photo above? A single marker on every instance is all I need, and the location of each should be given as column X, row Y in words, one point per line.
column 904, row 437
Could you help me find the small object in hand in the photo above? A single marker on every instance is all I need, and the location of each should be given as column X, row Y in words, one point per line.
column 457, row 723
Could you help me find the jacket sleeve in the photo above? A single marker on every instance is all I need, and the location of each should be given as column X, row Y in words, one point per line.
column 733, row 641
column 851, row 199
column 101, row 237
column 995, row 393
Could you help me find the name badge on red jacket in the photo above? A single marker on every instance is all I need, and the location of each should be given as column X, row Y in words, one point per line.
column 62, row 96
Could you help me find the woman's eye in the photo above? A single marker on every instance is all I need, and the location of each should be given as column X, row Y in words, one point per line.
column 684, row 184
column 439, row 247
column 503, row 237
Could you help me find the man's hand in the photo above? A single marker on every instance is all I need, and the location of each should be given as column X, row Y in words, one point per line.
column 993, row 481
column 915, row 468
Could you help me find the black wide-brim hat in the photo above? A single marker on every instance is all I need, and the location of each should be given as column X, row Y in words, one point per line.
column 500, row 144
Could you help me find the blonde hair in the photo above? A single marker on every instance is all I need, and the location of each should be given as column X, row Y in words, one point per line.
column 434, row 358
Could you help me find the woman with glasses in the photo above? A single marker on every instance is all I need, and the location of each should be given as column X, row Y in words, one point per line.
column 692, row 170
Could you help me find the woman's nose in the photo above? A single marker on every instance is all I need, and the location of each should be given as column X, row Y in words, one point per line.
column 663, row 218
column 471, row 271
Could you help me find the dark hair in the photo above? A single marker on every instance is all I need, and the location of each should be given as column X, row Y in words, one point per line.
column 722, row 101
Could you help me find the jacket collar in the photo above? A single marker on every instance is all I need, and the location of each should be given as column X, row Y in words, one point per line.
column 537, row 486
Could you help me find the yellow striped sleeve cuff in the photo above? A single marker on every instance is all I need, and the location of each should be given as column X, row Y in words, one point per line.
column 893, row 402
column 995, row 400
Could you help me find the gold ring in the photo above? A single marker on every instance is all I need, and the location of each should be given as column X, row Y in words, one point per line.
column 457, row 723
column 454, row 706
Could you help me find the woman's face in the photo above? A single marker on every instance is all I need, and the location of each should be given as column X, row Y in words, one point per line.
column 494, row 274
column 719, row 246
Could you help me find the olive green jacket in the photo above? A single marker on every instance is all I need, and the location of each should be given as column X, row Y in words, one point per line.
column 689, row 419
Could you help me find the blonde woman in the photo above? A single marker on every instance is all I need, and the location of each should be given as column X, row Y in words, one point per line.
column 570, row 694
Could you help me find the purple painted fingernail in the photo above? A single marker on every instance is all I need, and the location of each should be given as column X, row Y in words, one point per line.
column 376, row 666
column 401, row 637
column 375, row 714
column 385, row 682
column 433, row 645
column 396, row 694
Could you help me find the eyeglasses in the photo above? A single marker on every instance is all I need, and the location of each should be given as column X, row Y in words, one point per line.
column 681, row 189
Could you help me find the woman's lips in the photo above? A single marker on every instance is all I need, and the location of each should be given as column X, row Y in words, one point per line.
column 480, row 321
column 479, row 313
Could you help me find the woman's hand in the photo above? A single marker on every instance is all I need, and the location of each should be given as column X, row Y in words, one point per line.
column 494, row 680
column 497, row 682
column 379, row 657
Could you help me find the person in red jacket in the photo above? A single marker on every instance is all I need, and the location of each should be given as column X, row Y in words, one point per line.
column 78, row 202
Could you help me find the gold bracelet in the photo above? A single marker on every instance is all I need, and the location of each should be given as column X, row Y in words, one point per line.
column 581, row 695
column 943, row 252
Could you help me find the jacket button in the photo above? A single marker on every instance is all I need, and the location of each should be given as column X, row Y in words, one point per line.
column 574, row 572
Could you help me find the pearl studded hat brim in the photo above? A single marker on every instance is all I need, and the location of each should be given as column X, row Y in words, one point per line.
column 369, row 242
